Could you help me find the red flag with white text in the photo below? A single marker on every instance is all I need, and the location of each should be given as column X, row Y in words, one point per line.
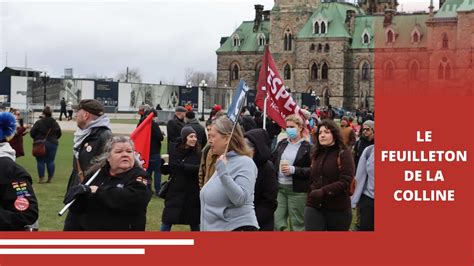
column 279, row 102
column 141, row 137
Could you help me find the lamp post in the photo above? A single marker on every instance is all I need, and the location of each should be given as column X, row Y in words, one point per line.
column 45, row 79
column 203, row 87
column 313, row 94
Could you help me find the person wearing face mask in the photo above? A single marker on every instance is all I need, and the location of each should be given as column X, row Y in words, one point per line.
column 182, row 204
column 328, row 204
column 117, row 199
column 292, row 159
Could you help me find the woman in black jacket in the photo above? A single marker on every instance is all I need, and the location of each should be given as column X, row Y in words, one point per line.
column 266, row 185
column 46, row 128
column 182, row 204
column 117, row 199
column 292, row 159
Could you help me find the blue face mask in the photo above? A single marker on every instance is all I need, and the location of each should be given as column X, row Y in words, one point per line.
column 292, row 133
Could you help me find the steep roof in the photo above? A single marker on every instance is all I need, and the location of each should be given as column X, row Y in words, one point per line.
column 248, row 38
column 450, row 8
column 403, row 25
column 466, row 6
column 363, row 24
column 335, row 13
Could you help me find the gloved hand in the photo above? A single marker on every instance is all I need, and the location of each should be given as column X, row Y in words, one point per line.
column 316, row 197
column 75, row 191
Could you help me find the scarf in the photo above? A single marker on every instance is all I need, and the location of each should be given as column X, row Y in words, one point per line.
column 7, row 151
column 81, row 134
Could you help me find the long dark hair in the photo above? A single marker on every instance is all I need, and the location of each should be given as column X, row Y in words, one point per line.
column 182, row 145
column 336, row 134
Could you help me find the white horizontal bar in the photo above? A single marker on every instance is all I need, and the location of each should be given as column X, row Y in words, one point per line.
column 96, row 242
column 71, row 251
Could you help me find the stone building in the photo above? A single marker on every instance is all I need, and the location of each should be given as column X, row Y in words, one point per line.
column 328, row 48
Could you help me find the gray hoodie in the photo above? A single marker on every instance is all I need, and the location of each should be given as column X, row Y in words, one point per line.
column 364, row 176
column 227, row 198
column 7, row 151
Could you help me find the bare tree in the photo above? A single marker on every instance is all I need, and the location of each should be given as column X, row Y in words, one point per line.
column 133, row 76
column 195, row 77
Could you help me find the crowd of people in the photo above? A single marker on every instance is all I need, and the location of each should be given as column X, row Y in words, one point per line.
column 221, row 177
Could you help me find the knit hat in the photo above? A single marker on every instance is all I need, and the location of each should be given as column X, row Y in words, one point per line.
column 180, row 109
column 7, row 126
column 217, row 107
column 190, row 115
column 185, row 132
column 369, row 123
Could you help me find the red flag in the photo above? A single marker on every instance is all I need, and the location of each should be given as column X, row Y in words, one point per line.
column 141, row 137
column 279, row 102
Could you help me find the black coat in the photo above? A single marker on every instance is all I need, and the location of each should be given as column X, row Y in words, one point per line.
column 15, row 183
column 119, row 204
column 96, row 140
column 182, row 204
column 173, row 131
column 266, row 185
column 301, row 177
column 200, row 131
column 41, row 128
column 247, row 122
column 156, row 138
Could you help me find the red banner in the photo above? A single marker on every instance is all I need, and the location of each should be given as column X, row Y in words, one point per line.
column 279, row 102
column 141, row 137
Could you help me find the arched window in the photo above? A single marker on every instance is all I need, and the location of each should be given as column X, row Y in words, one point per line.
column 366, row 38
column 314, row 71
column 414, row 69
column 416, row 37
column 323, row 27
column 324, row 71
column 312, row 47
column 440, row 71
column 261, row 40
column 389, row 71
column 365, row 75
column 390, row 36
column 320, row 48
column 235, row 72
column 326, row 48
column 236, row 40
column 288, row 39
column 287, row 72
column 316, row 27
column 447, row 72
column 326, row 96
column 445, row 41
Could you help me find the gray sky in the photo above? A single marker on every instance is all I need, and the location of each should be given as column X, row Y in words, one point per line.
column 161, row 38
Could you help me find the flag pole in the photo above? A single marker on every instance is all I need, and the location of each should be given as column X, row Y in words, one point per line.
column 66, row 207
column 264, row 88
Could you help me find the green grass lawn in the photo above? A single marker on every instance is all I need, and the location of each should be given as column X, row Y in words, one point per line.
column 124, row 121
column 50, row 196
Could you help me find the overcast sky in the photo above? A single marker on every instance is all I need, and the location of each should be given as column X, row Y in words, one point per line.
column 161, row 38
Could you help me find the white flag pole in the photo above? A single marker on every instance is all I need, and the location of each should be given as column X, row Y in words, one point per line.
column 265, row 110
column 66, row 207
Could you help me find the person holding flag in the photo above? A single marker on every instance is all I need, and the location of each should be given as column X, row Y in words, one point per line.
column 89, row 141
column 117, row 198
column 227, row 199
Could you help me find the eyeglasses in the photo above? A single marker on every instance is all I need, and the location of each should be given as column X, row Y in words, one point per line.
column 366, row 129
column 17, row 114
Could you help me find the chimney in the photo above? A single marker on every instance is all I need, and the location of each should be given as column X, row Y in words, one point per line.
column 350, row 20
column 441, row 3
column 266, row 15
column 389, row 13
column 258, row 17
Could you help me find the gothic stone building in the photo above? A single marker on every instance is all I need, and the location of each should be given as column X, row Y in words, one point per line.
column 327, row 48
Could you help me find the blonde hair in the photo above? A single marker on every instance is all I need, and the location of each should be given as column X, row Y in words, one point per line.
column 237, row 143
column 299, row 122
